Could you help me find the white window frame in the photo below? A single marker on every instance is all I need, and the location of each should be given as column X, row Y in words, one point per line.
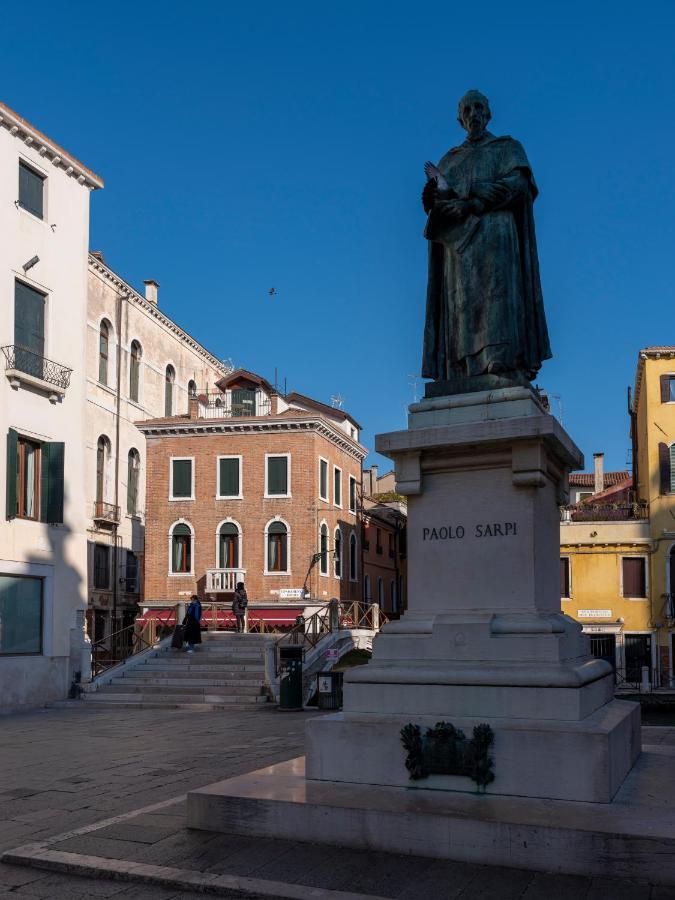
column 228, row 520
column 283, row 521
column 668, row 375
column 192, row 549
column 173, row 459
column 352, row 480
column 323, row 524
column 337, row 531
column 326, row 499
column 644, row 557
column 354, row 580
column 240, row 495
column 288, row 493
column 569, row 577
column 335, row 503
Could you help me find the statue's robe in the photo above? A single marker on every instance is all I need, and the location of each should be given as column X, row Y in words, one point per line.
column 485, row 310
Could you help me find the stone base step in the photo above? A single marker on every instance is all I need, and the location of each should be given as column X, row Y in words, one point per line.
column 177, row 688
column 179, row 700
column 175, row 680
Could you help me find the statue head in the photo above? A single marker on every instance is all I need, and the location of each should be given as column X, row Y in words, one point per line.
column 473, row 113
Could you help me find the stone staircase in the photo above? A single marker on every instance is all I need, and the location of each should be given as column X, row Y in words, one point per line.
column 226, row 669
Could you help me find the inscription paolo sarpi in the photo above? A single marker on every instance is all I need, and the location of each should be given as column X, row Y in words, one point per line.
column 482, row 530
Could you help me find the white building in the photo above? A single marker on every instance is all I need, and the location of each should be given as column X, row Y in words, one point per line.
column 140, row 365
column 44, row 228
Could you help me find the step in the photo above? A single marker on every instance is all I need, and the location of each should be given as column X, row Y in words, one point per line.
column 237, row 690
column 171, row 699
column 203, row 664
column 200, row 674
column 201, row 657
column 141, row 703
column 170, row 678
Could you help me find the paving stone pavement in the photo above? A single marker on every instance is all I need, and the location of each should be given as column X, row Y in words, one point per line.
column 63, row 769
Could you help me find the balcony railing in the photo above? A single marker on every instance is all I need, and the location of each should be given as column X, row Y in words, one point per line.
column 216, row 405
column 27, row 361
column 604, row 512
column 107, row 513
column 223, row 580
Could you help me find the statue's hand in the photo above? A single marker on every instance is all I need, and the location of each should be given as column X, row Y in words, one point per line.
column 454, row 210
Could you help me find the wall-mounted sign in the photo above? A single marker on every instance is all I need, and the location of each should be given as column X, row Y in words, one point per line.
column 325, row 684
column 594, row 613
column 332, row 653
column 292, row 594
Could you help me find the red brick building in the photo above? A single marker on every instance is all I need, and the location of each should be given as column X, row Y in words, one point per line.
column 383, row 538
column 252, row 486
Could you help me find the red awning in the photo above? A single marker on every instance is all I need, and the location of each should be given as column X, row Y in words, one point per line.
column 225, row 618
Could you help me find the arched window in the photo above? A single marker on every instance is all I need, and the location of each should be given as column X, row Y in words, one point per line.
column 228, row 546
column 181, row 548
column 367, row 590
column 192, row 389
column 102, row 461
column 277, row 547
column 337, row 556
column 353, row 568
column 392, row 595
column 169, row 378
column 133, row 473
column 380, row 592
column 323, row 548
column 135, row 370
column 103, row 351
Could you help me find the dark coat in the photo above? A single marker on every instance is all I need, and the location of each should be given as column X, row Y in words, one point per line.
column 192, row 629
column 240, row 602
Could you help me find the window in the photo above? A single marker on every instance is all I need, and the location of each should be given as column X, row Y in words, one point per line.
column 229, row 476
column 277, row 482
column 20, row 615
column 31, row 190
column 666, row 468
column 181, row 549
column 378, row 542
column 101, row 567
column 192, row 389
column 367, row 590
column 102, row 460
column 323, row 479
column 34, row 480
column 584, row 495
column 103, row 351
column 380, row 593
column 634, row 576
column 564, row 577
column 668, row 389
column 352, row 494
column 182, row 479
column 228, row 546
column 392, row 595
column 277, row 547
column 323, row 549
column 353, row 568
column 27, row 479
column 29, row 329
column 392, row 552
column 169, row 379
column 243, row 402
column 131, row 574
column 337, row 486
column 337, row 556
column 134, row 370
column 133, row 472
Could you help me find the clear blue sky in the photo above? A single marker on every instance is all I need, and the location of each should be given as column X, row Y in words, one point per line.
column 250, row 146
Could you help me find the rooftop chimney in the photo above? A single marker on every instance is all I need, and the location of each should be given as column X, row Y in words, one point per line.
column 598, row 462
column 151, row 291
column 373, row 480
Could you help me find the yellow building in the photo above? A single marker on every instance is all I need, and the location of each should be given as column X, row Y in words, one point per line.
column 653, row 436
column 605, row 547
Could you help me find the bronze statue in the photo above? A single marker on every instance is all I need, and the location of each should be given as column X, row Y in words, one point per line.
column 485, row 325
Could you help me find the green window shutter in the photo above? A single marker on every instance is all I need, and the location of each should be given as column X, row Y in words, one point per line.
column 51, row 482
column 277, row 475
column 323, row 479
column 11, row 472
column 182, row 478
column 229, row 478
column 31, row 191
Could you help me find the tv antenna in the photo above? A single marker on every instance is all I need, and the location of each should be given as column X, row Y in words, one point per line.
column 228, row 365
column 337, row 401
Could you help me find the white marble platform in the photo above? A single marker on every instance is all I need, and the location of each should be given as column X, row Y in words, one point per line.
column 632, row 837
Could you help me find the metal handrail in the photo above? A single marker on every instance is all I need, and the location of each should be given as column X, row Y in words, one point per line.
column 107, row 512
column 122, row 644
column 31, row 363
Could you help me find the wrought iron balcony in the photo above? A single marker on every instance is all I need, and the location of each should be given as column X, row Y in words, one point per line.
column 216, row 405
column 20, row 359
column 604, row 512
column 106, row 513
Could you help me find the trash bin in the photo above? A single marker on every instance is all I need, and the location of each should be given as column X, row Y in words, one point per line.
column 329, row 690
column 290, row 677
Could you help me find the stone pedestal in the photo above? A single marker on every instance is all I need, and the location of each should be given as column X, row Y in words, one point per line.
column 483, row 640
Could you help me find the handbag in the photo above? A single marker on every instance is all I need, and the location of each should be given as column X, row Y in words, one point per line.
column 177, row 639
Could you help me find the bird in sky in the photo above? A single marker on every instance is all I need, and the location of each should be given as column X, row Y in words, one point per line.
column 272, row 292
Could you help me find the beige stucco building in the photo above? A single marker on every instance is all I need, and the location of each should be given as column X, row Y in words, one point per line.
column 44, row 223
column 140, row 365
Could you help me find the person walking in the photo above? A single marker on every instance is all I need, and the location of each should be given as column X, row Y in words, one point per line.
column 239, row 605
column 192, row 628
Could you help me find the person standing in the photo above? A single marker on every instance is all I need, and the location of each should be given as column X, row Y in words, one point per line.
column 239, row 605
column 191, row 623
